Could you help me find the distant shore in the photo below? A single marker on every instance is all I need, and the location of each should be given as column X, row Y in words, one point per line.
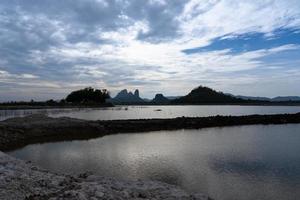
column 27, row 107
column 214, row 104
column 30, row 107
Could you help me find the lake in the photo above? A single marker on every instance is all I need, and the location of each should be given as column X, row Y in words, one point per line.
column 147, row 112
column 241, row 162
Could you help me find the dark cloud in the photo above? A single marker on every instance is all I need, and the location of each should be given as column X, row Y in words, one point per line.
column 161, row 18
column 33, row 25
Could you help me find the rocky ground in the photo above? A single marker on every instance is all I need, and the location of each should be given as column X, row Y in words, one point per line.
column 20, row 180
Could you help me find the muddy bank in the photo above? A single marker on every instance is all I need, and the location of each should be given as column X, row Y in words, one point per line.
column 18, row 132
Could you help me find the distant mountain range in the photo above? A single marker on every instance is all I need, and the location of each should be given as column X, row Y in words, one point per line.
column 199, row 95
column 127, row 97
column 275, row 99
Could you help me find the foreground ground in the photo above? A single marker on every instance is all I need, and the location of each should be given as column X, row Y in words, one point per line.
column 21, row 180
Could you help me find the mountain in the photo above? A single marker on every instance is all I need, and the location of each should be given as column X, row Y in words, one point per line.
column 199, row 95
column 206, row 95
column 127, row 97
column 160, row 99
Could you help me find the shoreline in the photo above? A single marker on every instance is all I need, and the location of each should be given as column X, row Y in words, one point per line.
column 22, row 180
column 29, row 107
column 38, row 128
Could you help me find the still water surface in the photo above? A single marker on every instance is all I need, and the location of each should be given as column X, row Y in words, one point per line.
column 146, row 112
column 242, row 162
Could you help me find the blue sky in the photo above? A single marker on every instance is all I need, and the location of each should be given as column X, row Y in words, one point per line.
column 250, row 41
column 49, row 48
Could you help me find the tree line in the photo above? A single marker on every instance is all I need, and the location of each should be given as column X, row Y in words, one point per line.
column 88, row 95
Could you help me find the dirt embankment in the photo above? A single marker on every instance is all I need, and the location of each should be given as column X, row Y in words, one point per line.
column 18, row 132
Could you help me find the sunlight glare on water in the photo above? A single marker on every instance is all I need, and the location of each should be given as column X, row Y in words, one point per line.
column 243, row 162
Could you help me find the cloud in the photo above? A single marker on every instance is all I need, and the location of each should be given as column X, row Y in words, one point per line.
column 7, row 75
column 230, row 17
column 65, row 45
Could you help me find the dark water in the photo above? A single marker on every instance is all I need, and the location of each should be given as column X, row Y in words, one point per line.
column 245, row 162
column 146, row 112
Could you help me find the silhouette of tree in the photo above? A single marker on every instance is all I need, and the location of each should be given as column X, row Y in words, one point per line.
column 88, row 95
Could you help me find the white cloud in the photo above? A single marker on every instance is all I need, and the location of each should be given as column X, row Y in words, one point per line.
column 138, row 44
column 6, row 75
column 211, row 19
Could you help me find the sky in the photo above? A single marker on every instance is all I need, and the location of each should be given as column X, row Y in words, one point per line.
column 49, row 48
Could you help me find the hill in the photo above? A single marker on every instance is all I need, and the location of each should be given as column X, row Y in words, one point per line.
column 205, row 95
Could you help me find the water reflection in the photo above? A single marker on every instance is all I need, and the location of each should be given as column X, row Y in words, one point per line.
column 290, row 171
column 146, row 112
column 246, row 162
